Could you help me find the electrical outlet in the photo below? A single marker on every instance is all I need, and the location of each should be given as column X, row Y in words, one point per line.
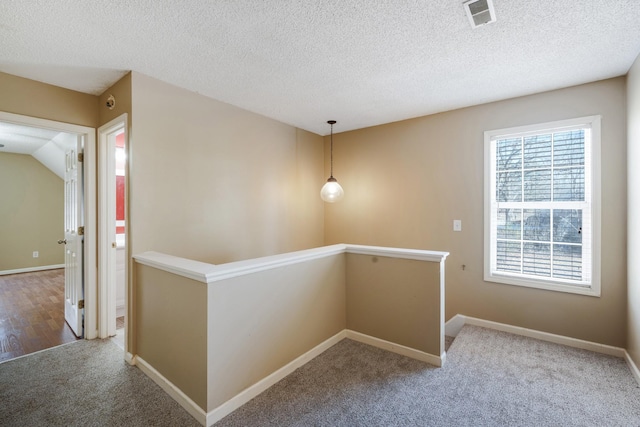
column 36, row 254
column 457, row 225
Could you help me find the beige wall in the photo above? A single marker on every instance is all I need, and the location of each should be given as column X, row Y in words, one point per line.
column 31, row 213
column 260, row 322
column 121, row 91
column 633, row 213
column 171, row 328
column 215, row 183
column 35, row 99
column 405, row 182
column 397, row 300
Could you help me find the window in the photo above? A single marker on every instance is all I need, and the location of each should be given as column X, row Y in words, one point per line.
column 542, row 212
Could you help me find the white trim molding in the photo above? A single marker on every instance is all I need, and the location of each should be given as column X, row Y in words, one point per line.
column 130, row 358
column 208, row 273
column 184, row 267
column 176, row 394
column 453, row 326
column 249, row 393
column 215, row 415
column 590, row 241
column 395, row 348
column 633, row 367
column 107, row 225
column 31, row 269
column 417, row 254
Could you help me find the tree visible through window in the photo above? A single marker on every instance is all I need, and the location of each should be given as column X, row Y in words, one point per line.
column 540, row 211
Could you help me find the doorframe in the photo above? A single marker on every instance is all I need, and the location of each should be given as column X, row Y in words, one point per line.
column 107, row 219
column 90, row 213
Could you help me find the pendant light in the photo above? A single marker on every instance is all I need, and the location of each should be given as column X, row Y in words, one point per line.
column 332, row 191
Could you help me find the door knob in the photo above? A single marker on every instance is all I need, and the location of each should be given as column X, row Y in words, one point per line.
column 62, row 241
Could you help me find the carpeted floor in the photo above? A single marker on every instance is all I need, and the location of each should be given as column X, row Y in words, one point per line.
column 86, row 383
column 490, row 379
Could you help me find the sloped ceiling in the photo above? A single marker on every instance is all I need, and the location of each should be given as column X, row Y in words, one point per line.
column 46, row 146
column 362, row 63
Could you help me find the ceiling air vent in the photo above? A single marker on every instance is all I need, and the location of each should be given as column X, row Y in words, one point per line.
column 480, row 12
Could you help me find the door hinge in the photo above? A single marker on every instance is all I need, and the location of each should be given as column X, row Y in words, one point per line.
column 81, row 157
column 81, row 231
column 81, row 304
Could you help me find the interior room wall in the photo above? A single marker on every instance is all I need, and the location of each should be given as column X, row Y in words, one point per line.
column 36, row 99
column 31, row 213
column 121, row 91
column 396, row 300
column 633, row 213
column 171, row 329
column 405, row 183
column 260, row 322
column 216, row 183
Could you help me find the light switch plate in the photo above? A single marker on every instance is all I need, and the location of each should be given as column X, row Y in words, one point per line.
column 457, row 225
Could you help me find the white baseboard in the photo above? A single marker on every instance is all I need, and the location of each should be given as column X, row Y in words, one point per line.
column 249, row 393
column 130, row 358
column 121, row 310
column 176, row 394
column 395, row 348
column 632, row 366
column 31, row 269
column 210, row 418
column 454, row 325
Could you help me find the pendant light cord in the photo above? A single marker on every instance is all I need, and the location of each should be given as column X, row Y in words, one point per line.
column 331, row 122
column 331, row 150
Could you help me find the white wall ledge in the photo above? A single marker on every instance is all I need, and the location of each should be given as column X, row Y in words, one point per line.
column 209, row 273
column 181, row 266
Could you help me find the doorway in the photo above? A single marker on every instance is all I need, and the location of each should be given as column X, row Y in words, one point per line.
column 54, row 232
column 112, row 247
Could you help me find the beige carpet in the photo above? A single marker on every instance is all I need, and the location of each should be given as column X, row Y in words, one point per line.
column 490, row 379
column 86, row 383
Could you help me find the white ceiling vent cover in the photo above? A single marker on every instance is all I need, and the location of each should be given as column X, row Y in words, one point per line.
column 480, row 12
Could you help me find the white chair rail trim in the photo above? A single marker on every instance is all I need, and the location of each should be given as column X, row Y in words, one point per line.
column 209, row 273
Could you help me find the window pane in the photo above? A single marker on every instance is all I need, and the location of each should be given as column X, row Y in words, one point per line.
column 509, row 187
column 568, row 148
column 509, row 154
column 567, row 262
column 537, row 225
column 536, row 259
column 508, row 256
column 537, row 186
column 542, row 175
column 567, row 225
column 568, row 184
column 537, row 151
column 509, row 223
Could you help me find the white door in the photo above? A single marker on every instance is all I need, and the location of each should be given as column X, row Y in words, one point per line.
column 107, row 246
column 74, row 240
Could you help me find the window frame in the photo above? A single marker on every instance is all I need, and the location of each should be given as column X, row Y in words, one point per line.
column 594, row 123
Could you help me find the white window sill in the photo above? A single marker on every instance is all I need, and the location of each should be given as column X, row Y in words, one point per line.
column 543, row 284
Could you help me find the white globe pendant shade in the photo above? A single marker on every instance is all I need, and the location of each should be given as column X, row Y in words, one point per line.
column 331, row 191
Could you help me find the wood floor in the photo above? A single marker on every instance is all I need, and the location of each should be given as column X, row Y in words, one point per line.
column 32, row 313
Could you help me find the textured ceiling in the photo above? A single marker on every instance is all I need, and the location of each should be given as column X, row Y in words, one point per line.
column 359, row 62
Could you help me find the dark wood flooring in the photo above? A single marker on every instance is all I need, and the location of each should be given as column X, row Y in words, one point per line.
column 120, row 322
column 32, row 313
